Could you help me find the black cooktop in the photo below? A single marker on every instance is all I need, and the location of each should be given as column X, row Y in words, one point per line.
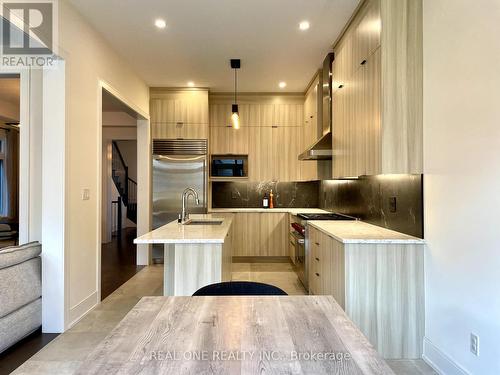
column 332, row 216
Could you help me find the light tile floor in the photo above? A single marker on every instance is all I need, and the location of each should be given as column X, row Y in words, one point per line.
column 65, row 353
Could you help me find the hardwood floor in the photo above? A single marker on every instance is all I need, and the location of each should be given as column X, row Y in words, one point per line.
column 118, row 261
column 16, row 355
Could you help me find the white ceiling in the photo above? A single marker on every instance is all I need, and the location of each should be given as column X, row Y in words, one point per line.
column 202, row 35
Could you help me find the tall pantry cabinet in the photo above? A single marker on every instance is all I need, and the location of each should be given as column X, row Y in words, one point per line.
column 377, row 91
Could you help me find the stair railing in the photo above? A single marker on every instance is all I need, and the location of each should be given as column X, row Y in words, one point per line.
column 120, row 173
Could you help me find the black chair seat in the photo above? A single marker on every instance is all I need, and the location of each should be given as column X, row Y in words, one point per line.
column 239, row 288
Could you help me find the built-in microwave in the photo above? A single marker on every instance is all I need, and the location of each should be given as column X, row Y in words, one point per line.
column 229, row 166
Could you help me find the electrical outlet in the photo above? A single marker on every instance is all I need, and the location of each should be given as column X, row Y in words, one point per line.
column 85, row 194
column 474, row 344
column 393, row 204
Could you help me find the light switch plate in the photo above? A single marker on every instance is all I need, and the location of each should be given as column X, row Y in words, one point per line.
column 474, row 344
column 85, row 194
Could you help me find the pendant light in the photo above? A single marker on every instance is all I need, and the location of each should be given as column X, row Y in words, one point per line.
column 235, row 115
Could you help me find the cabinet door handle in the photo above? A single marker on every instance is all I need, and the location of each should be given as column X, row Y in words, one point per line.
column 317, row 274
column 340, row 86
column 363, row 62
column 316, row 243
column 317, row 259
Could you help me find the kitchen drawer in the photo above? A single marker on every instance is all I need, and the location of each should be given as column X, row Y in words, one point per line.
column 314, row 261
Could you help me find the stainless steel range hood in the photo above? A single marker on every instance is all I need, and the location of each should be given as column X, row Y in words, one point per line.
column 321, row 150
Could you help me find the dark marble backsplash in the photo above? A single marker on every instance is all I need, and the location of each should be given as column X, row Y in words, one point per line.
column 250, row 194
column 371, row 198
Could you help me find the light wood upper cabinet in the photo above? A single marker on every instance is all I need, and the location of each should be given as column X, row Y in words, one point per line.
column 249, row 114
column 366, row 34
column 289, row 115
column 377, row 91
column 227, row 140
column 267, row 115
column 260, row 154
column 179, row 114
column 259, row 114
column 179, row 106
column 271, row 134
column 180, row 130
column 218, row 140
column 402, row 86
column 309, row 168
column 220, row 114
column 286, row 146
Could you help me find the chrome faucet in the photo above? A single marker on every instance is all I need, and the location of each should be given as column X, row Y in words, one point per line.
column 185, row 195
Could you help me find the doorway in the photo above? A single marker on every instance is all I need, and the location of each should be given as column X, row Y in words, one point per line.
column 119, row 194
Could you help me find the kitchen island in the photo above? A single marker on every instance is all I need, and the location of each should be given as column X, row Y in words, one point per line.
column 196, row 254
column 377, row 276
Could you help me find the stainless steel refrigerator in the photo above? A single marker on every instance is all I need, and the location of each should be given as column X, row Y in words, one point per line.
column 178, row 164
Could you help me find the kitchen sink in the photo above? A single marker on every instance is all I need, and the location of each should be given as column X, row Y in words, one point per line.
column 204, row 222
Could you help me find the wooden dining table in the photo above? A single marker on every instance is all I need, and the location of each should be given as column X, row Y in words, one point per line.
column 235, row 335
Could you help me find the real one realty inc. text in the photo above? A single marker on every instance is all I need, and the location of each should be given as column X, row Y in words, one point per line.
column 236, row 355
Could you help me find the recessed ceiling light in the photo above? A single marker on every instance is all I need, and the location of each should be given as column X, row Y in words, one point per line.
column 191, row 84
column 304, row 25
column 282, row 85
column 161, row 24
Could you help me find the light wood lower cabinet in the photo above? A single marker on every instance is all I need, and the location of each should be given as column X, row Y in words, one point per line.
column 380, row 287
column 260, row 234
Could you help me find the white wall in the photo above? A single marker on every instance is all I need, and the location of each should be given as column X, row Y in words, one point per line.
column 462, row 183
column 90, row 61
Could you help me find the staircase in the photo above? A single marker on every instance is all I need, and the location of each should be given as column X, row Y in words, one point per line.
column 127, row 187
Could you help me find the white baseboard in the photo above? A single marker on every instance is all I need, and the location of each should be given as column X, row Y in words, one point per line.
column 439, row 361
column 77, row 312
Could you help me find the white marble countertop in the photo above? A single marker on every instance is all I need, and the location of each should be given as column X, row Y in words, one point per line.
column 360, row 232
column 178, row 233
column 292, row 211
